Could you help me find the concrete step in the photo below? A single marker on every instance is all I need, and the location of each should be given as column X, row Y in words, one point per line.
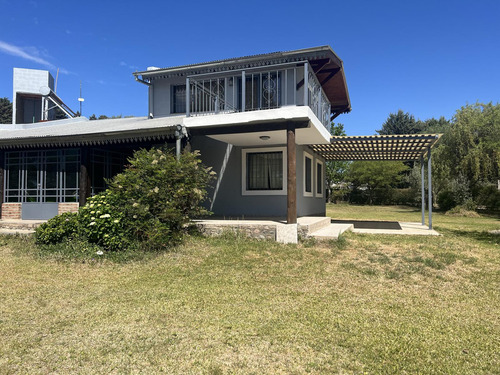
column 16, row 231
column 20, row 224
column 311, row 224
column 331, row 232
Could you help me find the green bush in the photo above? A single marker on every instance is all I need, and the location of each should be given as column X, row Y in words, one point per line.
column 159, row 194
column 446, row 200
column 146, row 207
column 489, row 197
column 57, row 229
column 102, row 220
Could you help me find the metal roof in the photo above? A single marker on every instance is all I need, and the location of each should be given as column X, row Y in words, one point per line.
column 377, row 147
column 81, row 131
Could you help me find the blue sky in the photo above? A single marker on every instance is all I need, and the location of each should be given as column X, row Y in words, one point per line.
column 428, row 58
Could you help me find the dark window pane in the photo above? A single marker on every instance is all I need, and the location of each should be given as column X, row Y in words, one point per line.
column 319, row 178
column 179, row 99
column 308, row 175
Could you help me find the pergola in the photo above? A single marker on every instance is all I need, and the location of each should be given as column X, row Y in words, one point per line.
column 404, row 147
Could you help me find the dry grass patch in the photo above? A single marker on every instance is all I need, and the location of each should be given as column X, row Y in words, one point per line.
column 366, row 304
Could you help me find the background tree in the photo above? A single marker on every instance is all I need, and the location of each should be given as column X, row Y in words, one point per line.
column 467, row 159
column 400, row 123
column 336, row 170
column 5, row 111
column 376, row 178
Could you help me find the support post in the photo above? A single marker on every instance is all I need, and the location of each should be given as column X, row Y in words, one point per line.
column 429, row 184
column 243, row 91
column 188, row 98
column 85, row 180
column 291, row 212
column 422, row 177
column 306, row 83
column 2, row 178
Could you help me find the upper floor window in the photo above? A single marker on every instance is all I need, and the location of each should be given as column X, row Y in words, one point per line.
column 179, row 99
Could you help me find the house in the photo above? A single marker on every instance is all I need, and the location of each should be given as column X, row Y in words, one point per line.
column 252, row 118
column 262, row 122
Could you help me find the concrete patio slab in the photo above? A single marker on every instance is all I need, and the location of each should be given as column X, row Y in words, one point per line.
column 406, row 229
column 331, row 232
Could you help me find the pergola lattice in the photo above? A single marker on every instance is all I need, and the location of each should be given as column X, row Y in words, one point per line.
column 403, row 147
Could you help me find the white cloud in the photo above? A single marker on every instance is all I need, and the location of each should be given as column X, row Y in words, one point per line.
column 133, row 67
column 29, row 53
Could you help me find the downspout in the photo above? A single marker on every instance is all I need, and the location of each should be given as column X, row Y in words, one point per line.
column 150, row 95
column 180, row 132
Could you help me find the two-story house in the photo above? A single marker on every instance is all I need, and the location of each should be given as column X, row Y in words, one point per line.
column 252, row 118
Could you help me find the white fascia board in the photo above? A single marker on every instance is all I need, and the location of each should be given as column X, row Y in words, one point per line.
column 283, row 114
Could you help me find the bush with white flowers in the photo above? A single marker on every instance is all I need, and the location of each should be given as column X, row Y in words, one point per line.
column 149, row 203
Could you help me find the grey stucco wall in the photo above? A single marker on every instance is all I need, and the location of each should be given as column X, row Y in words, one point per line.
column 226, row 194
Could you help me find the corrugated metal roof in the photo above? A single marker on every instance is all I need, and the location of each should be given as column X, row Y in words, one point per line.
column 81, row 131
column 377, row 147
column 237, row 60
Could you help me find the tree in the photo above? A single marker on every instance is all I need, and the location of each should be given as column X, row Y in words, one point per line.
column 5, row 111
column 59, row 114
column 400, row 123
column 469, row 151
column 377, row 177
column 93, row 117
column 336, row 170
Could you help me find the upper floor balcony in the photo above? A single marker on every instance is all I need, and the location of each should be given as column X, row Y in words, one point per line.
column 268, row 87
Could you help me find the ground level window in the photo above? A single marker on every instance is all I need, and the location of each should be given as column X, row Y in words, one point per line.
column 263, row 171
column 319, row 178
column 47, row 176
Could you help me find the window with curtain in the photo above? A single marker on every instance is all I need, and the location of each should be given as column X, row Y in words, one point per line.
column 179, row 99
column 264, row 170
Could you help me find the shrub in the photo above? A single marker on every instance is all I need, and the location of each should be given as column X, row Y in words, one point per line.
column 102, row 220
column 489, row 197
column 146, row 207
column 57, row 229
column 160, row 194
column 446, row 200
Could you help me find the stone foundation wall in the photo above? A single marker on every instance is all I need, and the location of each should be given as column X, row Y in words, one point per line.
column 67, row 207
column 261, row 232
column 11, row 211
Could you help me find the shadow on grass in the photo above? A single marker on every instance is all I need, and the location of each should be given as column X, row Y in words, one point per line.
column 480, row 236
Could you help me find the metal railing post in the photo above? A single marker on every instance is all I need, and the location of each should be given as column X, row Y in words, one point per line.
column 243, row 91
column 188, row 97
column 306, row 83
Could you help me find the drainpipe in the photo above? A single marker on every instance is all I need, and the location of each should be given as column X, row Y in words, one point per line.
column 180, row 132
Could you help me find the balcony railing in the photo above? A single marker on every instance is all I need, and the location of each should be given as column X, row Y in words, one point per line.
column 255, row 89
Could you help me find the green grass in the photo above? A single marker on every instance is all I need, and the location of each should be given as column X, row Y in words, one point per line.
column 374, row 304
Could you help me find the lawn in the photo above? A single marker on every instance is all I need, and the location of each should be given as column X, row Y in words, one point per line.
column 374, row 304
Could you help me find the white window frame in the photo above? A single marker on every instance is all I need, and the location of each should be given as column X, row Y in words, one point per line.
column 306, row 193
column 322, row 182
column 244, row 153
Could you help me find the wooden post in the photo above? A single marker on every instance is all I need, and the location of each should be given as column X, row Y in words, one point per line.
column 85, row 182
column 291, row 212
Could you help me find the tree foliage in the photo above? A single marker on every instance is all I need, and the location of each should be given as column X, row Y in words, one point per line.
column 400, row 123
column 469, row 151
column 377, row 177
column 5, row 111
column 335, row 170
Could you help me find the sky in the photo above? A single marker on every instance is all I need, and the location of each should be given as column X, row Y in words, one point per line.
column 428, row 58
